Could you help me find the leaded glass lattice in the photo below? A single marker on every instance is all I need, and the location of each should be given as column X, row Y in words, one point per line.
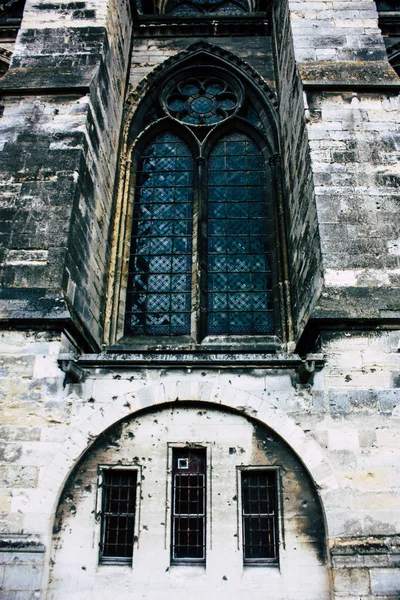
column 239, row 274
column 159, row 286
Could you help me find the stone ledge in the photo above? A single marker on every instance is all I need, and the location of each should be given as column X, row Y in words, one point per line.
column 32, row 303
column 348, row 74
column 366, row 545
column 21, row 543
column 199, row 357
column 71, row 90
column 358, row 303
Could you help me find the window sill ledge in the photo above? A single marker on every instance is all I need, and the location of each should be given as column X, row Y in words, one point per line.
column 212, row 358
column 185, row 344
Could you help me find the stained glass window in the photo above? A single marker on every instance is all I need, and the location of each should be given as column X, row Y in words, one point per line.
column 239, row 274
column 205, row 269
column 159, row 286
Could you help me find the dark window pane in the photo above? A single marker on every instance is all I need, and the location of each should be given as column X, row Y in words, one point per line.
column 161, row 241
column 118, row 517
column 238, row 254
column 259, row 516
column 188, row 505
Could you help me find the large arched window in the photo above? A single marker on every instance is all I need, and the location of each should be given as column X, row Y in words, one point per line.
column 205, row 242
column 11, row 13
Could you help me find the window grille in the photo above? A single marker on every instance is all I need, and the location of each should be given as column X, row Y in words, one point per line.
column 159, row 288
column 118, row 515
column 239, row 273
column 259, row 516
column 188, row 505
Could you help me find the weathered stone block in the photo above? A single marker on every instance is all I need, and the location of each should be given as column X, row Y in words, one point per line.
column 354, row 581
column 338, row 402
column 388, row 399
column 18, row 476
column 385, row 581
column 22, row 577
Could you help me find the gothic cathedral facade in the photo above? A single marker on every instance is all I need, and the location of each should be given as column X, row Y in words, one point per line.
column 200, row 299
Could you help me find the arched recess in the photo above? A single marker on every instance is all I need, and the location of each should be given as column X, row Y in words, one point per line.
column 233, row 440
column 202, row 393
column 147, row 111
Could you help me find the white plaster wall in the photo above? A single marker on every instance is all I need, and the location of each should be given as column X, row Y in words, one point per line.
column 231, row 440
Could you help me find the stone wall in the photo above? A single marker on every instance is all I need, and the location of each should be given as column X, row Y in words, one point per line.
column 61, row 119
column 354, row 141
column 304, row 251
column 343, row 425
column 352, row 104
column 148, row 54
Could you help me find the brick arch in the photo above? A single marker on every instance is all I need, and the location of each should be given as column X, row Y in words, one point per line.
column 128, row 404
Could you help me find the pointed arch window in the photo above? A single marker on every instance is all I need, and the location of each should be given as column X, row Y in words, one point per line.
column 204, row 251
column 160, row 283
column 239, row 280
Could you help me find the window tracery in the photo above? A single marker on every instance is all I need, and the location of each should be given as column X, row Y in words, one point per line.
column 202, row 100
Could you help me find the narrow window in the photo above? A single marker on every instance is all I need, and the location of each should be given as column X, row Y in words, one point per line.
column 259, row 516
column 188, row 505
column 239, row 274
column 118, row 515
column 160, row 279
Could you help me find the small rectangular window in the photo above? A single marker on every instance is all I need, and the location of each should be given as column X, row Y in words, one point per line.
column 118, row 515
column 188, row 505
column 259, row 516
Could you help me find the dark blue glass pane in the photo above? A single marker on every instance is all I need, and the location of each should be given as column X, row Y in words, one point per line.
column 159, row 284
column 180, row 282
column 217, row 194
column 216, row 210
column 182, row 264
column 239, row 275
